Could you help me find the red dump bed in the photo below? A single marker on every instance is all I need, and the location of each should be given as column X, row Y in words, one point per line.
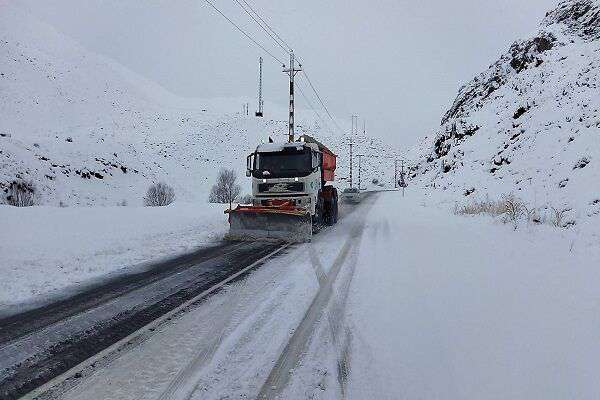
column 328, row 165
column 328, row 158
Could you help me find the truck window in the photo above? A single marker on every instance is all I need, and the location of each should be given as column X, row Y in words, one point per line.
column 285, row 164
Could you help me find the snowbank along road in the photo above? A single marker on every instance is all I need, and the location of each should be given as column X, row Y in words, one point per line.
column 41, row 344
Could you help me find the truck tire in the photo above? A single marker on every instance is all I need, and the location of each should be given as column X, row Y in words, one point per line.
column 330, row 203
column 330, row 213
column 317, row 219
column 335, row 206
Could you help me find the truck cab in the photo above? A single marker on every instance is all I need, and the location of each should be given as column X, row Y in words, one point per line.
column 297, row 173
column 287, row 171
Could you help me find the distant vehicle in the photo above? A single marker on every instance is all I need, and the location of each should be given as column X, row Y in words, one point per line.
column 351, row 195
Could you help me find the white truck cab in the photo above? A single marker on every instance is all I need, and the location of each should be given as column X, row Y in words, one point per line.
column 286, row 171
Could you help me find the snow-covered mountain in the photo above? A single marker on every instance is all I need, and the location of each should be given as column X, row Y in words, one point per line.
column 88, row 131
column 530, row 123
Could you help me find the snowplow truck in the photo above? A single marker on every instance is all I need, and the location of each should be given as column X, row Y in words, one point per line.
column 290, row 197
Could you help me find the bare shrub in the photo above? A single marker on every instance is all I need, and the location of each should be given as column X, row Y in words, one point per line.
column 159, row 194
column 514, row 209
column 225, row 190
column 21, row 193
column 478, row 207
column 558, row 217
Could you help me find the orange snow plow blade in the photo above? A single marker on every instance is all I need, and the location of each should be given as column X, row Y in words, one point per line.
column 278, row 222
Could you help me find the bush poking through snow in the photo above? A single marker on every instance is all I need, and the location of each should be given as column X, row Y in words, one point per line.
column 558, row 217
column 225, row 190
column 21, row 193
column 159, row 194
column 513, row 210
column 477, row 207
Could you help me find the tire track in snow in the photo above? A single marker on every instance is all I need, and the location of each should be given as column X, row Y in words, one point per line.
column 185, row 383
column 340, row 332
column 183, row 386
column 281, row 372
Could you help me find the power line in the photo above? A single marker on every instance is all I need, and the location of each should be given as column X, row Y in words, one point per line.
column 267, row 28
column 312, row 107
column 245, row 34
column 321, row 100
column 281, row 43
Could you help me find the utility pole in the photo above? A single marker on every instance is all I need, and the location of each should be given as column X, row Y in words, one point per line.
column 291, row 71
column 364, row 127
column 395, row 173
column 259, row 113
column 351, row 144
column 354, row 124
column 360, row 156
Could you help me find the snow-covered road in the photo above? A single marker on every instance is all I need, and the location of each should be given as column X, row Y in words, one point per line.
column 421, row 304
column 448, row 307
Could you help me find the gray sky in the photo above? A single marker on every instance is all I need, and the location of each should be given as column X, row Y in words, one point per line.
column 397, row 63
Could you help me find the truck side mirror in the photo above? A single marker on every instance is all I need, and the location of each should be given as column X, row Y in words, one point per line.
column 249, row 160
column 316, row 162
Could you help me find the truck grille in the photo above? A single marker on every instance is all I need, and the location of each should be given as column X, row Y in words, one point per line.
column 281, row 187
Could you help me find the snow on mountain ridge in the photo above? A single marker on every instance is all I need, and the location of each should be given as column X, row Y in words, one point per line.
column 88, row 131
column 530, row 123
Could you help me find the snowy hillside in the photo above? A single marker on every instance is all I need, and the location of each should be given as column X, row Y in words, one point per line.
column 89, row 132
column 530, row 123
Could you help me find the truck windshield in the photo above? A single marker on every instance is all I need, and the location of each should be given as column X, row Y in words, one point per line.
column 286, row 164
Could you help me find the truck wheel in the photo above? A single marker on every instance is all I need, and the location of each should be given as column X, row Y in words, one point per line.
column 330, row 211
column 317, row 219
column 335, row 207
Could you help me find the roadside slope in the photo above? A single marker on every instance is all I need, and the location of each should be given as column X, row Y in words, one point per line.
column 529, row 124
column 90, row 132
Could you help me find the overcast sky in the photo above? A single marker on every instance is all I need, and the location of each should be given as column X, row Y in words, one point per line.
column 397, row 63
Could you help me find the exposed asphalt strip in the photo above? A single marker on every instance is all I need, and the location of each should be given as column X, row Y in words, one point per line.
column 281, row 372
column 58, row 385
column 20, row 325
column 80, row 352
